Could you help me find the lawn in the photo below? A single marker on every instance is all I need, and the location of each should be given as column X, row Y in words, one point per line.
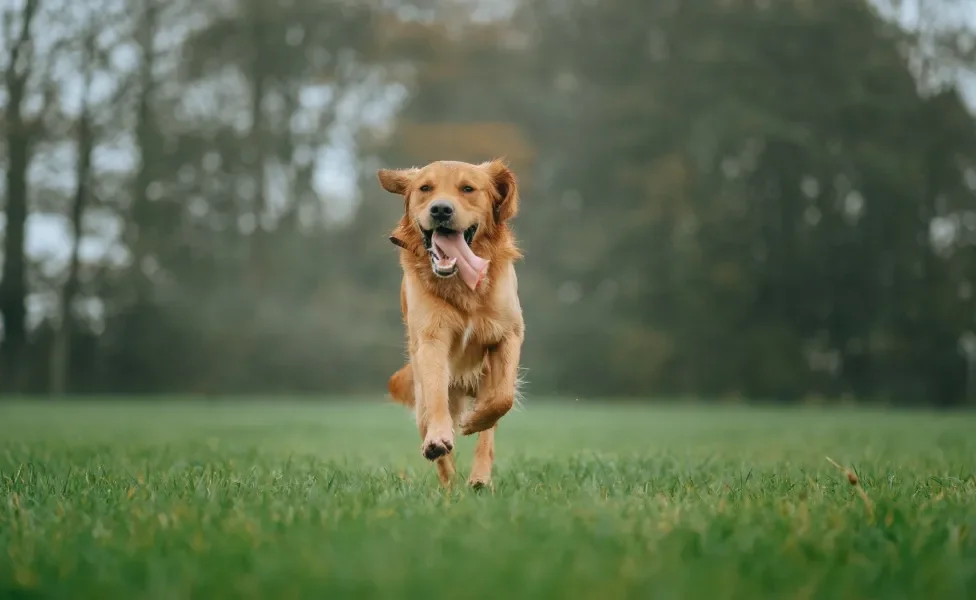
column 288, row 499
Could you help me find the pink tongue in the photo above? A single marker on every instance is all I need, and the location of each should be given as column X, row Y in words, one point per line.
column 472, row 267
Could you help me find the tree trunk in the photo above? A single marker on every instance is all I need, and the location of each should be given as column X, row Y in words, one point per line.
column 138, row 225
column 255, row 245
column 61, row 349
column 13, row 281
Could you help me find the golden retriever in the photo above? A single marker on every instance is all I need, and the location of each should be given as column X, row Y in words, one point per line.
column 459, row 298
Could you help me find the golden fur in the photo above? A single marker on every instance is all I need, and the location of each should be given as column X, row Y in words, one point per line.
column 462, row 343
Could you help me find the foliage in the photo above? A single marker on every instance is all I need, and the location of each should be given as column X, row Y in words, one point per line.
column 717, row 202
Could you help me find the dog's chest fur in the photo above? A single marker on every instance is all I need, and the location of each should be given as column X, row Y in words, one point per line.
column 474, row 328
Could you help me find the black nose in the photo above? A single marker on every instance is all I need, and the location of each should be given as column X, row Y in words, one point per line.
column 441, row 211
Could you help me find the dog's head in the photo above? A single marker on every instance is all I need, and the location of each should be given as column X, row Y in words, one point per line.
column 456, row 201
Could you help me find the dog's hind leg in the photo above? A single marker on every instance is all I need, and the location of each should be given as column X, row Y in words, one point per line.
column 484, row 457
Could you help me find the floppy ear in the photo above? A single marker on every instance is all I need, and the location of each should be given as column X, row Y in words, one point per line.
column 396, row 181
column 506, row 197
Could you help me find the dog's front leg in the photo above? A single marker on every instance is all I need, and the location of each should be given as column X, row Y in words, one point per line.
column 434, row 413
column 496, row 392
column 445, row 464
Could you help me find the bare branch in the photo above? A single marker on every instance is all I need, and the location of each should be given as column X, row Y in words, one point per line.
column 6, row 25
column 16, row 75
column 49, row 90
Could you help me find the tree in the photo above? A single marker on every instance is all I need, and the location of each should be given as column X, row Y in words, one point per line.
column 85, row 140
column 18, row 134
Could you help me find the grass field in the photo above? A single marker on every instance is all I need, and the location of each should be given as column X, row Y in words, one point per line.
column 333, row 500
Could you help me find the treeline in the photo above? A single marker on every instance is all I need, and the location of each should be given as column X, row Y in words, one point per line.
column 720, row 198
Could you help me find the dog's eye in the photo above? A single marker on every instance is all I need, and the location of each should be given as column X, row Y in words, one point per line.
column 425, row 188
column 467, row 189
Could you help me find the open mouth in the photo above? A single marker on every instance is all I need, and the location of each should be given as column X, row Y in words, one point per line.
column 443, row 264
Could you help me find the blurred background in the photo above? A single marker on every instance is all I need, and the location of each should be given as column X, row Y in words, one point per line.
column 730, row 199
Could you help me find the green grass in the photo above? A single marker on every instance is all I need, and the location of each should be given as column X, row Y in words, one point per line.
column 325, row 500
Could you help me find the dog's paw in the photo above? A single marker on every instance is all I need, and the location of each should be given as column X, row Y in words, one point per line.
column 437, row 445
column 485, row 416
column 476, row 423
column 480, row 484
